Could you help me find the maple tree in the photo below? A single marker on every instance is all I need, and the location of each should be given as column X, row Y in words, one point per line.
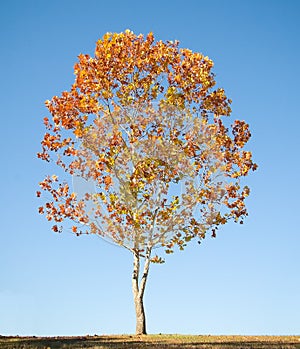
column 146, row 124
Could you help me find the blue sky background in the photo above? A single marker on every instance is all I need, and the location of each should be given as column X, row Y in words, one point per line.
column 244, row 282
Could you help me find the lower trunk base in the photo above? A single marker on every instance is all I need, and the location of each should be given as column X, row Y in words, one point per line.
column 140, row 317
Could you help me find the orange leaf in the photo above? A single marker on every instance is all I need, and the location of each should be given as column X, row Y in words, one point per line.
column 107, row 180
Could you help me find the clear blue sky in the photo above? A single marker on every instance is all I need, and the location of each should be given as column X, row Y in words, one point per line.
column 244, row 282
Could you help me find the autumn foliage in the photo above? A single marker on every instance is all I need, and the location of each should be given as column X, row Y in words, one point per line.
column 136, row 93
column 145, row 122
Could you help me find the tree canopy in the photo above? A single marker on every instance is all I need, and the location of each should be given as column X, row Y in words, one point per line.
column 145, row 123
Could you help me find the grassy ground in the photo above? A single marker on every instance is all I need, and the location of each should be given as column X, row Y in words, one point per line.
column 152, row 341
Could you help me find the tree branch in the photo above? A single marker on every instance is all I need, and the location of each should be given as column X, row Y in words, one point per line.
column 145, row 272
column 135, row 274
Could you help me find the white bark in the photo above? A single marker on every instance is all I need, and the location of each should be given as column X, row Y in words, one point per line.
column 139, row 289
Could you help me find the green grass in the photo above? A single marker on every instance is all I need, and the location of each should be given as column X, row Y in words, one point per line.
column 152, row 341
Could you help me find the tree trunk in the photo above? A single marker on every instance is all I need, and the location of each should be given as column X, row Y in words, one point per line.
column 138, row 291
column 140, row 316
